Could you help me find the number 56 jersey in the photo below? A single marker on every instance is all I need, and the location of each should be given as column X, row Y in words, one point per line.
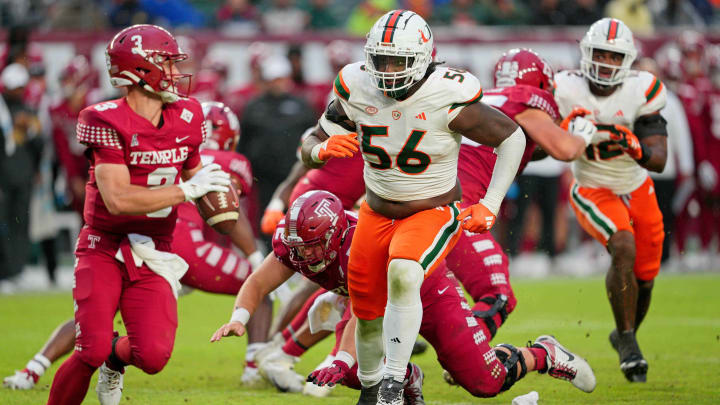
column 115, row 134
column 604, row 164
column 409, row 151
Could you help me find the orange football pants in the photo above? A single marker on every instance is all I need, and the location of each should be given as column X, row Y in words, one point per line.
column 425, row 237
column 602, row 213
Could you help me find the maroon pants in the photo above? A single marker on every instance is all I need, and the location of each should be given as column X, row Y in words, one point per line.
column 103, row 285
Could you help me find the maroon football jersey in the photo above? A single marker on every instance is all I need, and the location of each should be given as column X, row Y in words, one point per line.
column 334, row 277
column 342, row 177
column 115, row 134
column 476, row 162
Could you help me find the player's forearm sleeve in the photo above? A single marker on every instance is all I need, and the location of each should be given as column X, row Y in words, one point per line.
column 509, row 153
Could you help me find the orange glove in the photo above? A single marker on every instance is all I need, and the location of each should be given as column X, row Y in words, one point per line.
column 337, row 146
column 477, row 218
column 270, row 220
column 629, row 143
column 576, row 112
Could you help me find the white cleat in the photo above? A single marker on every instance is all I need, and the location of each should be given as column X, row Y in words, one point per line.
column 21, row 380
column 565, row 365
column 531, row 398
column 316, row 391
column 251, row 377
column 109, row 386
column 279, row 368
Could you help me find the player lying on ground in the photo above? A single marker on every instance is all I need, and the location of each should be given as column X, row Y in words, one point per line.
column 313, row 240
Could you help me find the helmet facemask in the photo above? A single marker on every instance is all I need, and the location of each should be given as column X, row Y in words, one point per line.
column 381, row 62
column 592, row 69
column 316, row 254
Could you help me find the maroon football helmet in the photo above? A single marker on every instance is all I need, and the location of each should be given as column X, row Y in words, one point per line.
column 524, row 66
column 222, row 126
column 314, row 228
column 137, row 55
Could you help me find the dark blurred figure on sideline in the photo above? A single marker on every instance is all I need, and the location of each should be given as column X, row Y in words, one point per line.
column 22, row 147
column 271, row 126
column 237, row 97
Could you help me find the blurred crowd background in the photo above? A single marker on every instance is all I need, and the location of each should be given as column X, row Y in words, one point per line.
column 273, row 62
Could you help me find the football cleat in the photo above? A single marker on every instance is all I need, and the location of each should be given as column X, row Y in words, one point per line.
column 565, row 365
column 390, row 392
column 251, row 377
column 448, row 378
column 109, row 386
column 632, row 363
column 369, row 395
column 419, row 347
column 412, row 389
column 21, row 380
column 279, row 368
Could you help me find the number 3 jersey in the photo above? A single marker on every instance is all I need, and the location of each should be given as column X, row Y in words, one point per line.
column 115, row 134
column 409, row 151
column 604, row 165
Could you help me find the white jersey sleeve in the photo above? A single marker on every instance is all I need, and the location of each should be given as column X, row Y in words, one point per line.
column 654, row 92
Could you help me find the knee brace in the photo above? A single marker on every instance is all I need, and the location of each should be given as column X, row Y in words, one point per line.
column 498, row 305
column 510, row 362
column 404, row 280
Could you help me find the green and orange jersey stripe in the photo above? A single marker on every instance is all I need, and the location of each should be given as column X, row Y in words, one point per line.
column 654, row 89
column 390, row 26
column 340, row 88
column 612, row 31
column 473, row 100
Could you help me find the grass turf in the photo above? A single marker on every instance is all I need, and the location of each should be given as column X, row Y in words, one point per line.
column 680, row 339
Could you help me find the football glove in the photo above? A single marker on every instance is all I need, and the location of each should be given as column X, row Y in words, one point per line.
column 576, row 112
column 270, row 220
column 209, row 178
column 330, row 375
column 337, row 146
column 477, row 218
column 583, row 128
column 629, row 143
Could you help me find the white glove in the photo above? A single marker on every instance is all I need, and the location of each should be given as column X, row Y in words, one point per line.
column 209, row 178
column 707, row 175
column 583, row 128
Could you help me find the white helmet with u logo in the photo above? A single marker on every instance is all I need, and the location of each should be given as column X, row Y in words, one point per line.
column 403, row 38
column 607, row 34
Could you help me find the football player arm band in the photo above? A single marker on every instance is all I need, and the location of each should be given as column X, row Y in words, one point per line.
column 651, row 130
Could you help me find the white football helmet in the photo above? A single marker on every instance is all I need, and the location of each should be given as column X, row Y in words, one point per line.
column 402, row 38
column 609, row 34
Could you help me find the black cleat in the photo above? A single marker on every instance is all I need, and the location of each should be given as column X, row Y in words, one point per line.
column 390, row 392
column 419, row 347
column 632, row 363
column 369, row 395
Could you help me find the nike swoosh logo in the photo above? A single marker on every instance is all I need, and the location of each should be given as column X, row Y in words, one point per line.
column 442, row 291
column 178, row 140
column 570, row 356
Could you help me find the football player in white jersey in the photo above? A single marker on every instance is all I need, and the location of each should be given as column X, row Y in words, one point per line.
column 410, row 115
column 613, row 197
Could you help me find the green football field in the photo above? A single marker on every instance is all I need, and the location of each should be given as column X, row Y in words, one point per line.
column 680, row 338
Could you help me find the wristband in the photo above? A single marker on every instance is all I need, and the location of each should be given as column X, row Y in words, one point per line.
column 240, row 315
column 315, row 152
column 277, row 204
column 256, row 259
column 646, row 154
column 345, row 357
